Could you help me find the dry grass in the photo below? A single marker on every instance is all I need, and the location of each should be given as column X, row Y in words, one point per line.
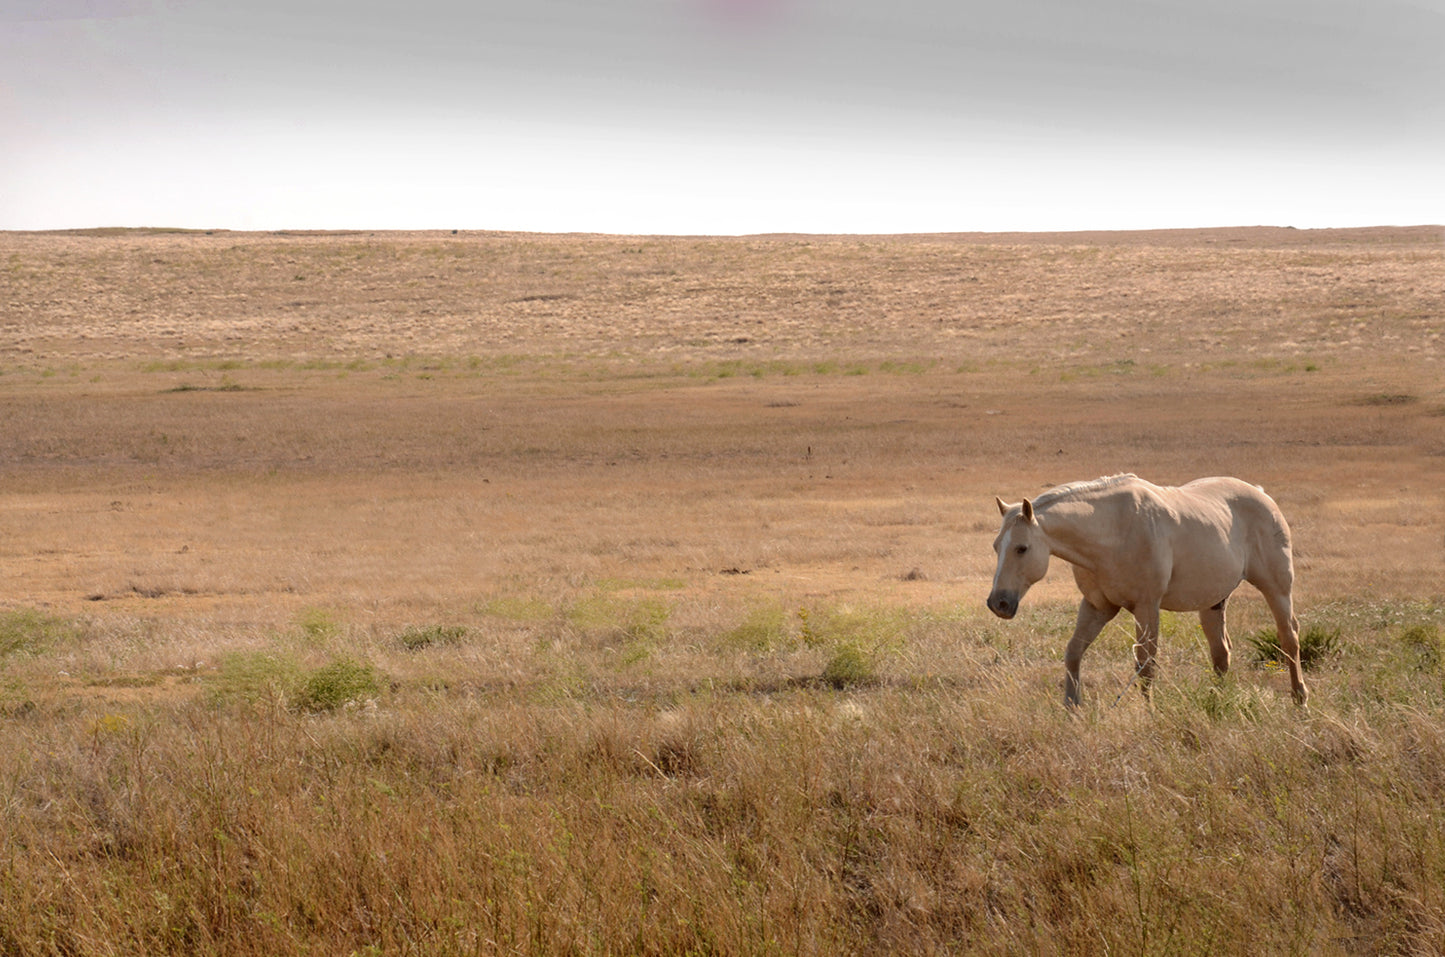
column 419, row 593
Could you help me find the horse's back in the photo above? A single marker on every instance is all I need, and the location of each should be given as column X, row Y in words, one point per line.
column 1257, row 527
column 1247, row 503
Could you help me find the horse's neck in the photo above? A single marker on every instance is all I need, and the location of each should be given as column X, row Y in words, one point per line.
column 1077, row 531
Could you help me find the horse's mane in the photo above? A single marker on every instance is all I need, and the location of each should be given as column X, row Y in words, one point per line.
column 1060, row 492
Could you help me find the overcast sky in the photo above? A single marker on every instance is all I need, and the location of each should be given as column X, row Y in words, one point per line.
column 721, row 116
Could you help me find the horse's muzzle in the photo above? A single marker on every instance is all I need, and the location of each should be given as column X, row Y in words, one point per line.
column 1004, row 604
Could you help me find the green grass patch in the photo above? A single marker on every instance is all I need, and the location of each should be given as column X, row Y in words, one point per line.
column 641, row 584
column 253, row 678
column 637, row 619
column 269, row 679
column 318, row 625
column 521, row 608
column 856, row 640
column 1424, row 644
column 27, row 631
column 764, row 629
column 879, row 628
column 1220, row 700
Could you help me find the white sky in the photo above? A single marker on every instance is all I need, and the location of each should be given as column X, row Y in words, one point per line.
column 721, row 116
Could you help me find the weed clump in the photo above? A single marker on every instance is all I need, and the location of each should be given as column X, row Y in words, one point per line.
column 415, row 639
column 1316, row 643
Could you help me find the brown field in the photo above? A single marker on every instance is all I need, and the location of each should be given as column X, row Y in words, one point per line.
column 494, row 593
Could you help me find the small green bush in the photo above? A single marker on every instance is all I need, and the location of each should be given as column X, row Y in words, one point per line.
column 335, row 685
column 849, row 666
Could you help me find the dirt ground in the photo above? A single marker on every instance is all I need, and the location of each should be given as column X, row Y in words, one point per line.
column 228, row 428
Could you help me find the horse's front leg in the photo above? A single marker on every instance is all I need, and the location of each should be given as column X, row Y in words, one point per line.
column 1146, row 644
column 1091, row 621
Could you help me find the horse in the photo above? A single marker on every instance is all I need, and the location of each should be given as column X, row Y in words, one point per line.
column 1142, row 547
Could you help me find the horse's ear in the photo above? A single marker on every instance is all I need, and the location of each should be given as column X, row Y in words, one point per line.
column 1028, row 511
column 1002, row 507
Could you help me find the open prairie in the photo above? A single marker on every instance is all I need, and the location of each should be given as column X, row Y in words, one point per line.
column 492, row 593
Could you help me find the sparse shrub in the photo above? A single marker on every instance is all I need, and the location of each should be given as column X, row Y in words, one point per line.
column 855, row 639
column 340, row 683
column 848, row 666
column 1316, row 643
column 415, row 639
column 109, row 726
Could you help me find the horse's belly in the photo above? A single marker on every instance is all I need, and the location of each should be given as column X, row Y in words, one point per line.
column 1200, row 589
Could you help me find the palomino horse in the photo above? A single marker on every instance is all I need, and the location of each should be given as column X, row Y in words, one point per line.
column 1137, row 546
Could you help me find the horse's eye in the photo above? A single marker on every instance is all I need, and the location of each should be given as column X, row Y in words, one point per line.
column 1021, row 549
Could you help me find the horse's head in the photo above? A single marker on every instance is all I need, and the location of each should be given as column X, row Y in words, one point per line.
column 1023, row 557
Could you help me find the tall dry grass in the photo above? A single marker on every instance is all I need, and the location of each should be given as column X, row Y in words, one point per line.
column 596, row 777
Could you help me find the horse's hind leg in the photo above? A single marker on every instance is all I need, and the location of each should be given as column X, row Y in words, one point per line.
column 1212, row 621
column 1286, row 627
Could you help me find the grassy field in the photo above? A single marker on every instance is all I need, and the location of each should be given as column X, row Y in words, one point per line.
column 487, row 593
